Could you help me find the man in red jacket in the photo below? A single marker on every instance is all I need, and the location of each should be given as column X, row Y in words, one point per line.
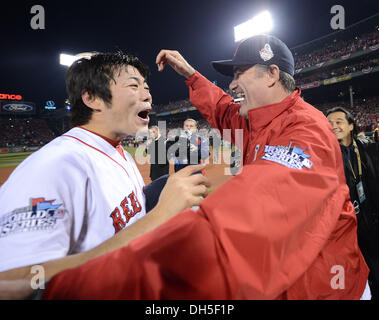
column 284, row 228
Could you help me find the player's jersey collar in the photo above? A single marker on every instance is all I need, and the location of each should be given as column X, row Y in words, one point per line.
column 112, row 142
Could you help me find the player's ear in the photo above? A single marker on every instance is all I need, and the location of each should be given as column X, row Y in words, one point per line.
column 273, row 74
column 91, row 101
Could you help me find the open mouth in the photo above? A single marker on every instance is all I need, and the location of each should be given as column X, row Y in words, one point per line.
column 144, row 114
column 240, row 97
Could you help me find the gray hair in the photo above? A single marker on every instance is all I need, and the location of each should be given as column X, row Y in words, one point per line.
column 287, row 81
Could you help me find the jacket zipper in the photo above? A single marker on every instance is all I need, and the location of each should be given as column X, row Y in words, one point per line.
column 256, row 152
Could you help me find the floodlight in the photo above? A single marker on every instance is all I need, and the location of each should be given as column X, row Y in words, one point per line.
column 261, row 23
column 68, row 59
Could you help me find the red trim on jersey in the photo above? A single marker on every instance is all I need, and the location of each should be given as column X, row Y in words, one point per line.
column 120, row 150
column 66, row 135
column 126, row 171
column 112, row 142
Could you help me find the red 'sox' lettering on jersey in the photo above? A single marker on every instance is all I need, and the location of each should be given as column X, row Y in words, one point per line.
column 130, row 207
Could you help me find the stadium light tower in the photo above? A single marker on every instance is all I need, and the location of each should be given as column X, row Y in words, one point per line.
column 261, row 23
column 68, row 59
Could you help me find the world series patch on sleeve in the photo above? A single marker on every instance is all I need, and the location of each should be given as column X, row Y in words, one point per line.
column 291, row 157
column 40, row 215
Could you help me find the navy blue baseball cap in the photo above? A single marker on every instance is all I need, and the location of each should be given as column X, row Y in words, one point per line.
column 260, row 49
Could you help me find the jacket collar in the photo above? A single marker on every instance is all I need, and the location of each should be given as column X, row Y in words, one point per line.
column 262, row 116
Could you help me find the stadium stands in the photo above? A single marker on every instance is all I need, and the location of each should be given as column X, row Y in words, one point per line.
column 363, row 66
column 24, row 132
column 334, row 49
column 327, row 64
column 336, row 63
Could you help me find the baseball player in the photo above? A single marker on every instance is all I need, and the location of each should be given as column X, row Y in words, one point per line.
column 81, row 195
column 283, row 228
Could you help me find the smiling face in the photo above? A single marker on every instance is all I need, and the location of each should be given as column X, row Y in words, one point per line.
column 251, row 84
column 128, row 111
column 341, row 127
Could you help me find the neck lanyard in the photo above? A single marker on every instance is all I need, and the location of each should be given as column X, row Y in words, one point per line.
column 359, row 161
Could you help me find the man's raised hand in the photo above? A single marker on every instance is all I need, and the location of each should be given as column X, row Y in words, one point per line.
column 174, row 59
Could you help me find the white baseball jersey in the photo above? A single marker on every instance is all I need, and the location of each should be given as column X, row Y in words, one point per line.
column 68, row 197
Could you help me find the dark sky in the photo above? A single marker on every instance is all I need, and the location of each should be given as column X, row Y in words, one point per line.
column 201, row 30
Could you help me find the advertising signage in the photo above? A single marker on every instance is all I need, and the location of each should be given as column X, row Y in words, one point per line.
column 6, row 96
column 50, row 105
column 22, row 107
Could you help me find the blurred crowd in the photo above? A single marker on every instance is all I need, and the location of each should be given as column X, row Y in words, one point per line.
column 35, row 132
column 24, row 132
column 363, row 66
column 365, row 112
column 330, row 50
column 180, row 105
column 335, row 49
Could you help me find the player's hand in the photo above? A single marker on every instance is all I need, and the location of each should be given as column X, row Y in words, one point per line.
column 183, row 190
column 176, row 61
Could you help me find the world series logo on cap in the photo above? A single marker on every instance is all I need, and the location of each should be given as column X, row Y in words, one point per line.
column 266, row 53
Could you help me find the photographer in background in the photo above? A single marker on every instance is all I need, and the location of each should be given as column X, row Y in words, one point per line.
column 197, row 147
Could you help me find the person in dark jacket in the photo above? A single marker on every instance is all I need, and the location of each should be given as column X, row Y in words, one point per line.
column 196, row 146
column 156, row 147
column 361, row 164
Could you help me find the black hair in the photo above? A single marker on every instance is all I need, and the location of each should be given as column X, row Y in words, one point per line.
column 349, row 117
column 93, row 75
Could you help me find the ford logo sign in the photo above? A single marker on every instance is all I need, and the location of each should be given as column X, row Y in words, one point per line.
column 17, row 107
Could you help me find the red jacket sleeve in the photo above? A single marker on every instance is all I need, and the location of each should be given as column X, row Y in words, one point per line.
column 270, row 232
